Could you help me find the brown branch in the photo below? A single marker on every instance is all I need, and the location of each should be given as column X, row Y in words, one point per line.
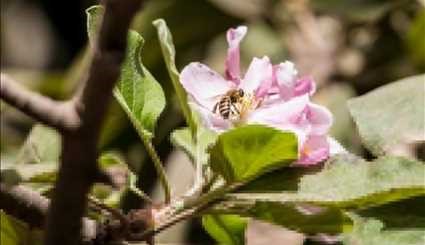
column 24, row 204
column 55, row 114
column 79, row 121
column 31, row 207
column 78, row 168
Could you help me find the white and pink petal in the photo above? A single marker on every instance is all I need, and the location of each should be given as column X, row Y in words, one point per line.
column 314, row 150
column 281, row 113
column 204, row 85
column 304, row 85
column 234, row 37
column 320, row 119
column 285, row 77
column 258, row 77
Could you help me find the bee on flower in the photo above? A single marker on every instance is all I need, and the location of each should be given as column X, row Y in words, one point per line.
column 273, row 95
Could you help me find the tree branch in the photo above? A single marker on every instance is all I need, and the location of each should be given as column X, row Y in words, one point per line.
column 78, row 168
column 55, row 114
column 31, row 207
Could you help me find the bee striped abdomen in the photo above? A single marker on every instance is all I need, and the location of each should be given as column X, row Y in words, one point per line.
column 229, row 104
column 224, row 107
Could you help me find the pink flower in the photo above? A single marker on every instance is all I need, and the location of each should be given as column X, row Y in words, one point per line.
column 266, row 94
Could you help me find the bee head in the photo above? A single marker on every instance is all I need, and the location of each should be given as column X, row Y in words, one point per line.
column 236, row 95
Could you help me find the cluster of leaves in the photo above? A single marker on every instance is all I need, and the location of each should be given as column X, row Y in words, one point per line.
column 247, row 172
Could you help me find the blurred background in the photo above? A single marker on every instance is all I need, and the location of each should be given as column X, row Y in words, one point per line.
column 349, row 46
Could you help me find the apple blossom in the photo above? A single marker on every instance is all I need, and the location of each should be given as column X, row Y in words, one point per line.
column 272, row 95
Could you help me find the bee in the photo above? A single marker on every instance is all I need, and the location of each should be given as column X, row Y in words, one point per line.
column 229, row 103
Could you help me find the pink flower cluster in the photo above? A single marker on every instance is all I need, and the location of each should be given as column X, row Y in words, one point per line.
column 273, row 95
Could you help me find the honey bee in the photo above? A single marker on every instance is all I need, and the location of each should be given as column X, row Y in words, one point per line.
column 229, row 104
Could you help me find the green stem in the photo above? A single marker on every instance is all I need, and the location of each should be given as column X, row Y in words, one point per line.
column 159, row 168
column 194, row 206
column 149, row 148
column 141, row 194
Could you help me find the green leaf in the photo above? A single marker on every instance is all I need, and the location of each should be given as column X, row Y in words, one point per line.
column 137, row 91
column 16, row 232
column 11, row 232
column 182, row 138
column 391, row 117
column 283, row 179
column 407, row 213
column 352, row 183
column 370, row 232
column 225, row 229
column 37, row 160
column 111, row 159
column 245, row 152
column 169, row 54
column 299, row 218
column 41, row 146
column 113, row 163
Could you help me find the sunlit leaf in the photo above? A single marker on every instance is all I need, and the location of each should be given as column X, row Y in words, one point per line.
column 371, row 231
column 225, row 229
column 249, row 151
column 137, row 91
column 353, row 183
column 43, row 145
column 298, row 218
column 293, row 215
column 37, row 160
column 182, row 138
column 391, row 117
column 169, row 54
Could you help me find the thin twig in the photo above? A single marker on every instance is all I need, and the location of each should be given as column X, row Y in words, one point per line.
column 59, row 115
column 31, row 207
column 141, row 194
column 114, row 212
column 159, row 168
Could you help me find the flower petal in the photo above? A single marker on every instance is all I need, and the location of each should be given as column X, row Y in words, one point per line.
column 203, row 84
column 304, row 85
column 320, row 119
column 335, row 147
column 258, row 78
column 285, row 75
column 280, row 113
column 234, row 37
column 314, row 150
column 210, row 120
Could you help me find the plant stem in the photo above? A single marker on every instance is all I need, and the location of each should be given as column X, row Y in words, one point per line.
column 115, row 212
column 141, row 194
column 147, row 141
column 159, row 168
